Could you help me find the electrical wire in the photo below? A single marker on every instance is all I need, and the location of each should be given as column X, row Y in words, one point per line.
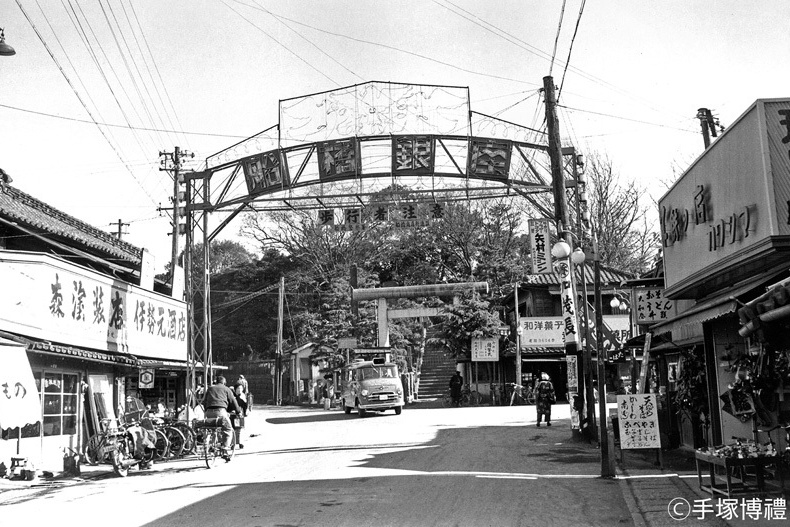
column 124, row 126
column 80, row 99
column 626, row 119
column 557, row 38
column 570, row 48
column 283, row 45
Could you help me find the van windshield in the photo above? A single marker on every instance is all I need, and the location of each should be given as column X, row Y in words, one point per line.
column 377, row 372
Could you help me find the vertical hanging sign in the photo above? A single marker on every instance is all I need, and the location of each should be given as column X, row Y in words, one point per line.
column 562, row 267
column 540, row 252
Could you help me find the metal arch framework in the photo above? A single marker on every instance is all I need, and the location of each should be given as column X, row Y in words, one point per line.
column 279, row 169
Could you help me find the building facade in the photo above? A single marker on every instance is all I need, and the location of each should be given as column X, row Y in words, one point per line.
column 94, row 324
column 725, row 227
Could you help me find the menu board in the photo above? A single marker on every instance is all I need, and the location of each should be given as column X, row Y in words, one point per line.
column 638, row 420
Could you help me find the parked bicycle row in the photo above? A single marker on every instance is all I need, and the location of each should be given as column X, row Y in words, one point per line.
column 139, row 438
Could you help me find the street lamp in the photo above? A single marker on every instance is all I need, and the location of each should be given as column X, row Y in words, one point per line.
column 5, row 49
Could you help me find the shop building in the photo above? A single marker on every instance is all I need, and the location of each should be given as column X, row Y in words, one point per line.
column 725, row 227
column 94, row 325
column 541, row 326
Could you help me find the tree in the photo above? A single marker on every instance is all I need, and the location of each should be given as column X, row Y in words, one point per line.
column 470, row 318
column 626, row 239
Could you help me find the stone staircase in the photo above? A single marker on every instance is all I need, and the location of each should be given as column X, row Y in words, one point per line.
column 437, row 368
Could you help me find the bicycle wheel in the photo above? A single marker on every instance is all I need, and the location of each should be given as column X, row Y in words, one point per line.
column 176, row 440
column 530, row 397
column 447, row 401
column 475, row 398
column 210, row 447
column 190, row 438
column 93, row 449
column 161, row 446
column 464, row 400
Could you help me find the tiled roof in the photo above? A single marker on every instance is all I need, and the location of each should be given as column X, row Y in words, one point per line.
column 37, row 345
column 26, row 210
column 608, row 276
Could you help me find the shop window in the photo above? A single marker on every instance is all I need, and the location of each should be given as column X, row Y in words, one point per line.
column 60, row 403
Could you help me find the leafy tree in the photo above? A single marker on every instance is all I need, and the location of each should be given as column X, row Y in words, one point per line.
column 470, row 318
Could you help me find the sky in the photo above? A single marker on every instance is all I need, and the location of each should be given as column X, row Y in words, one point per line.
column 205, row 74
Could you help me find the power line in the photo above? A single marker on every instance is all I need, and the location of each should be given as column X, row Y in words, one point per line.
column 557, row 38
column 570, row 48
column 124, row 126
column 624, row 118
column 79, row 98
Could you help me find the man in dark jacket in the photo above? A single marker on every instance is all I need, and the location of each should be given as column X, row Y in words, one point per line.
column 219, row 399
column 456, row 383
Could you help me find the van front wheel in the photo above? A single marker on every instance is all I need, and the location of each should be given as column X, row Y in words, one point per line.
column 397, row 410
column 346, row 409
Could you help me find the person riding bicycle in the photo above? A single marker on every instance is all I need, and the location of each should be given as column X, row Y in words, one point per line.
column 456, row 384
column 219, row 399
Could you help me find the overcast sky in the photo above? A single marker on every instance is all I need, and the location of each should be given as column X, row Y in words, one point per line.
column 204, row 74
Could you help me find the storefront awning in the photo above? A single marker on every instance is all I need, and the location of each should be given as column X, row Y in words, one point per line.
column 724, row 303
column 531, row 351
column 19, row 402
column 172, row 365
column 40, row 346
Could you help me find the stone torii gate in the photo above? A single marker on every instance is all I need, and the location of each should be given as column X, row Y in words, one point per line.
column 382, row 294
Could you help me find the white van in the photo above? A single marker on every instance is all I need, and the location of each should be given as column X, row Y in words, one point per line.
column 372, row 386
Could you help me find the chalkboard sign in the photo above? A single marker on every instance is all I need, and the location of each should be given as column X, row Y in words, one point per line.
column 638, row 421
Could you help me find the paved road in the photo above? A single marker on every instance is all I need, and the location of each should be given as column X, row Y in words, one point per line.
column 305, row 466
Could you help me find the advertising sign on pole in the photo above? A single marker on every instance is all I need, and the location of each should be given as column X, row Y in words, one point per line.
column 570, row 329
column 540, row 250
column 485, row 350
column 638, row 421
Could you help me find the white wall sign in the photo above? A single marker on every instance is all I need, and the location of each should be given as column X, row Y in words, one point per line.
column 652, row 306
column 485, row 350
column 48, row 298
column 638, row 421
column 540, row 249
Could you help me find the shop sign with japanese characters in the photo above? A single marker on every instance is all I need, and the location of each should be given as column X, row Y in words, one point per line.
column 652, row 306
column 48, row 298
column 638, row 421
column 403, row 215
column 569, row 327
column 549, row 331
column 485, row 350
column 540, row 249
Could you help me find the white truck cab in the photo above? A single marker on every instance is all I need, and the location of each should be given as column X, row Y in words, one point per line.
column 372, row 386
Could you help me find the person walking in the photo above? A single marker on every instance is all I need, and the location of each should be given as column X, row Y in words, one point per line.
column 238, row 419
column 544, row 398
column 456, row 384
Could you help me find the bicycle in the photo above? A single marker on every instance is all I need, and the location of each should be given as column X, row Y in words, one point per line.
column 100, row 446
column 519, row 395
column 210, row 443
column 468, row 397
column 176, row 441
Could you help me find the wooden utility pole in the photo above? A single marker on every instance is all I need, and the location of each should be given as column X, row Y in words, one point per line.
column 278, row 367
column 120, row 225
column 606, row 465
column 561, row 217
column 518, row 336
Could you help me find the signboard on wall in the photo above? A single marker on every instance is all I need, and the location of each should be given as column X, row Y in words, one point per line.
column 652, row 306
column 485, row 350
column 638, row 421
column 548, row 331
column 146, row 379
column 539, row 247
column 48, row 298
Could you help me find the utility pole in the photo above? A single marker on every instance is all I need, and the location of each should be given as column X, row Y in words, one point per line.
column 607, row 469
column 120, row 225
column 171, row 162
column 708, row 125
column 278, row 365
column 518, row 335
column 561, row 218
